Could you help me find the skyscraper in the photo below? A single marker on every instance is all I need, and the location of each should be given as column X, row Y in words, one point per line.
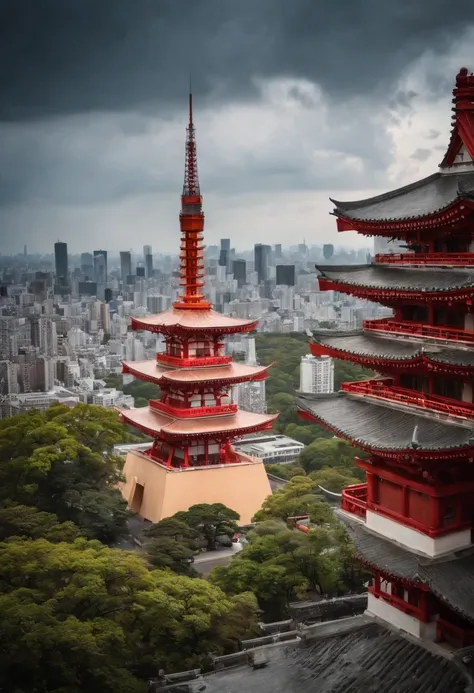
column 148, row 257
column 61, row 264
column 262, row 260
column 125, row 265
column 101, row 264
column 239, row 270
column 285, row 275
column 87, row 266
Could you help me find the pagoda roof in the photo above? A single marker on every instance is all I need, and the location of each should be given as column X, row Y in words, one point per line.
column 362, row 343
column 232, row 372
column 451, row 577
column 189, row 320
column 425, row 197
column 153, row 423
column 397, row 278
column 357, row 655
column 376, row 427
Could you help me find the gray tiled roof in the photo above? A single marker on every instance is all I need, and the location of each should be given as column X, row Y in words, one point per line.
column 368, row 659
column 366, row 344
column 427, row 196
column 450, row 578
column 381, row 427
column 400, row 278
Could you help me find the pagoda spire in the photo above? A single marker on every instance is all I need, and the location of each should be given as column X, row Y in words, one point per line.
column 191, row 179
column 191, row 221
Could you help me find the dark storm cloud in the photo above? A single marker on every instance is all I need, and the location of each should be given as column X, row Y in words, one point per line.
column 62, row 56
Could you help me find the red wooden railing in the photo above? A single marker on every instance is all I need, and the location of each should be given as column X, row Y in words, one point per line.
column 381, row 389
column 192, row 362
column 417, row 329
column 192, row 412
column 397, row 602
column 354, row 500
column 450, row 259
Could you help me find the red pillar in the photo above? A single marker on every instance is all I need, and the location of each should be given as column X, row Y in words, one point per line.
column 425, row 606
column 206, row 452
column 186, row 457
column 370, row 488
column 435, row 513
column 406, row 501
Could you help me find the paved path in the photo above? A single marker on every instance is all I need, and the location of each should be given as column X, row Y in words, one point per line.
column 205, row 562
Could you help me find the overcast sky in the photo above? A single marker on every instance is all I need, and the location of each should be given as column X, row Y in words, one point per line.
column 295, row 101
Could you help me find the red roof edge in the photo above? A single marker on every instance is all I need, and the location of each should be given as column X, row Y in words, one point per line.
column 463, row 118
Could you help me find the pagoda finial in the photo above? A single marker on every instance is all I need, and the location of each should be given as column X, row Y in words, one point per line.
column 191, row 180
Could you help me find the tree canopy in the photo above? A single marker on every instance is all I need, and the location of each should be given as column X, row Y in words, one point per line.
column 80, row 616
column 61, row 461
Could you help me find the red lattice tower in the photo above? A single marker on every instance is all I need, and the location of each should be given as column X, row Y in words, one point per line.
column 191, row 221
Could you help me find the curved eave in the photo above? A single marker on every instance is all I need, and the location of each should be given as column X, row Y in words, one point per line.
column 451, row 214
column 418, row 360
column 232, row 374
column 220, row 427
column 182, row 321
column 347, row 419
column 459, row 294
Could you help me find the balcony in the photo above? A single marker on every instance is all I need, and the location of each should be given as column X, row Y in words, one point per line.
column 382, row 389
column 453, row 635
column 354, row 500
column 180, row 412
column 419, row 330
column 194, row 362
column 445, row 259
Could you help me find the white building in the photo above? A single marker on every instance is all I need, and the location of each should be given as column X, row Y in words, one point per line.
column 272, row 449
column 250, row 396
column 316, row 374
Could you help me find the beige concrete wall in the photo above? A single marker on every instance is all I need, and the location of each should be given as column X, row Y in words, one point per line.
column 242, row 487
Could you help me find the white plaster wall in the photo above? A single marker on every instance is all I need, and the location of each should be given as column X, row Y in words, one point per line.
column 390, row 614
column 417, row 541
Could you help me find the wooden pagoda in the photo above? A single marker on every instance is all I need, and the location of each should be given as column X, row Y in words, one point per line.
column 194, row 421
column 412, row 520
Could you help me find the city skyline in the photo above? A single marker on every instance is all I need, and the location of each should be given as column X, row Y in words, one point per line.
column 96, row 153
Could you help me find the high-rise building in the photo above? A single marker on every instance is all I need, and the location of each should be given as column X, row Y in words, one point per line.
column 316, row 374
column 87, row 266
column 48, row 338
column 239, row 270
column 61, row 266
column 262, row 261
column 412, row 520
column 224, row 254
column 101, row 265
column 278, row 251
column 125, row 265
column 148, row 259
column 194, row 423
column 285, row 275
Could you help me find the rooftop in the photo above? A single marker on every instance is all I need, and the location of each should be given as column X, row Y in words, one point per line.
column 237, row 424
column 422, row 198
column 381, row 428
column 398, row 278
column 368, row 658
column 151, row 370
column 192, row 320
column 370, row 345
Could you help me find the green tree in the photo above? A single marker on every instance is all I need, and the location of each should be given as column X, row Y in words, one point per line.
column 331, row 452
column 172, row 544
column 210, row 521
column 27, row 521
column 61, row 461
column 285, row 471
column 333, row 479
column 296, row 498
column 82, row 616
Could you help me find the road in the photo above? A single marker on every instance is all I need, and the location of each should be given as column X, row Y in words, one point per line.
column 208, row 560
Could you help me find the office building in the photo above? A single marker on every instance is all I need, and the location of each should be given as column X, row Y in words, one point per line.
column 262, row 261
column 285, row 275
column 61, row 266
column 148, row 259
column 316, row 374
column 125, row 265
column 239, row 270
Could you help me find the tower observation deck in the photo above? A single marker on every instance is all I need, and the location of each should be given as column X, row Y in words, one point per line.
column 194, row 421
column 412, row 520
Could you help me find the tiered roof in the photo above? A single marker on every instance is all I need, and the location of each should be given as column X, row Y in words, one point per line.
column 398, row 282
column 192, row 321
column 232, row 373
column 386, row 431
column 451, row 578
column 234, row 425
column 378, row 351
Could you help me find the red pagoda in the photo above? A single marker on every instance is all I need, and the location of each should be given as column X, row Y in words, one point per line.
column 412, row 520
column 194, row 421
